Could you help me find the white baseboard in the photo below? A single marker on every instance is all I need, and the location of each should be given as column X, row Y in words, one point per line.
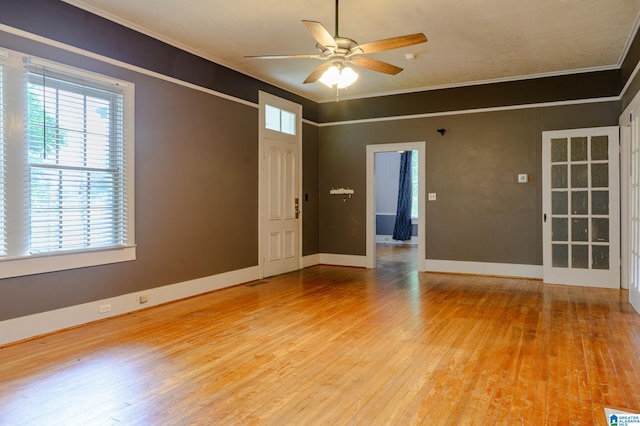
column 311, row 260
column 484, row 268
column 29, row 326
column 21, row 328
column 388, row 239
column 447, row 266
column 343, row 260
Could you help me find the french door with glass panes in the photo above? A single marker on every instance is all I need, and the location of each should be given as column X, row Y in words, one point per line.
column 581, row 210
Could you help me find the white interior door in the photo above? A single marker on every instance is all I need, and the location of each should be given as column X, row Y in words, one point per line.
column 280, row 230
column 282, row 207
column 581, row 207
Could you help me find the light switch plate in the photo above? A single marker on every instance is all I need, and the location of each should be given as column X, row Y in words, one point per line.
column 523, row 178
column 432, row 196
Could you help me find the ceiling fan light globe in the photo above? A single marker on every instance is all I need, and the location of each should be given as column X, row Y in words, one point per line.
column 331, row 76
column 347, row 77
column 336, row 76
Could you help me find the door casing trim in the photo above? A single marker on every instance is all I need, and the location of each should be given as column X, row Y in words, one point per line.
column 372, row 149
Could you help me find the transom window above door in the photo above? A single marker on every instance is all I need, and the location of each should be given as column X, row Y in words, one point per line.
column 280, row 120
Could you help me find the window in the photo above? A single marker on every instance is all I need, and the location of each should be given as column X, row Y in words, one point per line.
column 280, row 120
column 68, row 193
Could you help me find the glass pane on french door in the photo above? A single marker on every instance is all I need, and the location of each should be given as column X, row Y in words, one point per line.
column 580, row 207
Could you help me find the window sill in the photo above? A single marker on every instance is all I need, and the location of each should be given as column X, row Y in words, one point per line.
column 60, row 262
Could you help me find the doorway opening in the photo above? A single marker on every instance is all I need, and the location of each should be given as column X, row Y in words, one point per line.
column 381, row 248
column 400, row 257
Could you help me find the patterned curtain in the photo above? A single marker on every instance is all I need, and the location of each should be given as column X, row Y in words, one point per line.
column 402, row 228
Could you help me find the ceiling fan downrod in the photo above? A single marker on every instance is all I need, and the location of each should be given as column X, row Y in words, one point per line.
column 337, row 32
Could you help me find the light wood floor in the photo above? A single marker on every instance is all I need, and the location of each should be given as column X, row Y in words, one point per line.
column 332, row 345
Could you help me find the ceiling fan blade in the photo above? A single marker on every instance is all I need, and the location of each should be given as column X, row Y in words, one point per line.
column 320, row 33
column 375, row 65
column 317, row 73
column 390, row 43
column 293, row 56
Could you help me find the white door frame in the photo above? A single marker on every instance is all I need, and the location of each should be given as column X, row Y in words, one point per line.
column 625, row 191
column 421, row 147
column 629, row 133
column 267, row 98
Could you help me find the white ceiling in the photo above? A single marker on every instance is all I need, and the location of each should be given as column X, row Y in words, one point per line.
column 470, row 41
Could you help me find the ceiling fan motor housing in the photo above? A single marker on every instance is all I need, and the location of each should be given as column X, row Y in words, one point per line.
column 344, row 48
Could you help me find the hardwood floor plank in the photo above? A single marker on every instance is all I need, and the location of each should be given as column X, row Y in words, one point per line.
column 332, row 345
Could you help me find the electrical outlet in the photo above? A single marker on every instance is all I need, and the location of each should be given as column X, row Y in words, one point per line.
column 143, row 299
column 105, row 308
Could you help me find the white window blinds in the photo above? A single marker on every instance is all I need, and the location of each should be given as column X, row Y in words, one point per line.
column 76, row 163
column 66, row 167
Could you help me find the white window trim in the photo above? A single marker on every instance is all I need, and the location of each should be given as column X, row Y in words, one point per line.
column 36, row 264
column 60, row 262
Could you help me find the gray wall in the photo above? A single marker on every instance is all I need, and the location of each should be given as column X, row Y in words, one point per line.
column 386, row 223
column 310, row 196
column 57, row 20
column 192, row 150
column 626, row 71
column 196, row 179
column 196, row 162
column 632, row 90
column 589, row 85
column 481, row 214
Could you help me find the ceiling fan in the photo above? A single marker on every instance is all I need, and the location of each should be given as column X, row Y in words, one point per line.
column 338, row 51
